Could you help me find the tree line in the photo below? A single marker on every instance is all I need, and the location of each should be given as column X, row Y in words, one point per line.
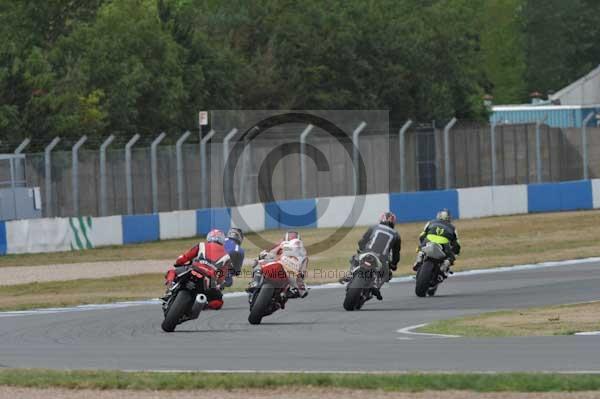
column 69, row 67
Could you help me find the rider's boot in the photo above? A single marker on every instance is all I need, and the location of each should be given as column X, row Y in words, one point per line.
column 445, row 268
column 376, row 290
column 377, row 293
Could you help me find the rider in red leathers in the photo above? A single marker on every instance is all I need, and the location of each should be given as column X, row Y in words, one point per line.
column 212, row 251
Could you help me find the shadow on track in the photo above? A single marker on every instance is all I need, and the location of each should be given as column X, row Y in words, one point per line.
column 204, row 331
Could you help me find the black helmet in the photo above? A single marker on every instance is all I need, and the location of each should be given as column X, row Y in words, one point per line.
column 236, row 234
column 444, row 215
column 388, row 218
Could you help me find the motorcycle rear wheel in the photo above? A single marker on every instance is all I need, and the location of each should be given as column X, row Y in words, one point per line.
column 352, row 301
column 180, row 304
column 424, row 276
column 261, row 303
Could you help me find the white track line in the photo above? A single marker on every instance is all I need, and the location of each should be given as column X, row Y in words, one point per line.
column 404, row 279
column 588, row 333
column 409, row 331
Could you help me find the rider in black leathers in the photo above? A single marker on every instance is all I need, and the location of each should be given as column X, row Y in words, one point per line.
column 441, row 231
column 383, row 240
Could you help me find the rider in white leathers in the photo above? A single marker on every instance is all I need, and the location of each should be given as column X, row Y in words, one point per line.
column 292, row 255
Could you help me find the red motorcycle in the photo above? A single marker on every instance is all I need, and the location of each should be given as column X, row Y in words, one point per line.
column 188, row 296
column 270, row 293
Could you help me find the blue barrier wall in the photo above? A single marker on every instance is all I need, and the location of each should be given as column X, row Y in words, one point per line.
column 2, row 238
column 216, row 218
column 567, row 196
column 140, row 228
column 291, row 214
column 576, row 195
column 422, row 206
column 16, row 236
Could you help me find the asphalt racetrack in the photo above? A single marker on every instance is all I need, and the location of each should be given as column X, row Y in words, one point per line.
column 316, row 334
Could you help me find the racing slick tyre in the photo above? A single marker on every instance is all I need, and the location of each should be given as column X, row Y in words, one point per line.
column 180, row 305
column 424, row 276
column 352, row 301
column 260, row 306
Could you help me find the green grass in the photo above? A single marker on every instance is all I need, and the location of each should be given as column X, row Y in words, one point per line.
column 87, row 291
column 510, row 382
column 539, row 321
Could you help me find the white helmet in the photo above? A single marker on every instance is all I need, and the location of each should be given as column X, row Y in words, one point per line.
column 294, row 247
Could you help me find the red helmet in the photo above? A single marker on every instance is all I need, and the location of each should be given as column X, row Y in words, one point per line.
column 388, row 218
column 216, row 235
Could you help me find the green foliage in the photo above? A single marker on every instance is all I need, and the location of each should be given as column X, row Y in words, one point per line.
column 503, row 51
column 561, row 41
column 100, row 67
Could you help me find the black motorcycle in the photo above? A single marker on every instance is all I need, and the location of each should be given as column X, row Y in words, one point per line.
column 187, row 297
column 365, row 272
column 431, row 272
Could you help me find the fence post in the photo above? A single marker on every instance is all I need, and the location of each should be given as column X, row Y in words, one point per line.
column 203, row 168
column 493, row 150
column 48, row 174
column 75, row 173
column 179, row 154
column 19, row 150
column 447, row 151
column 355, row 143
column 226, row 180
column 402, row 150
column 103, row 147
column 154, row 170
column 584, row 149
column 245, row 198
column 538, row 148
column 303, row 137
column 22, row 146
column 128, row 182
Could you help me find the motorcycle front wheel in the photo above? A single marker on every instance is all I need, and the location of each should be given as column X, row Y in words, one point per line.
column 261, row 303
column 180, row 304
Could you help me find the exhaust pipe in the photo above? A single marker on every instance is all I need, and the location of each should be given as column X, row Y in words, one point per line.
column 198, row 305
